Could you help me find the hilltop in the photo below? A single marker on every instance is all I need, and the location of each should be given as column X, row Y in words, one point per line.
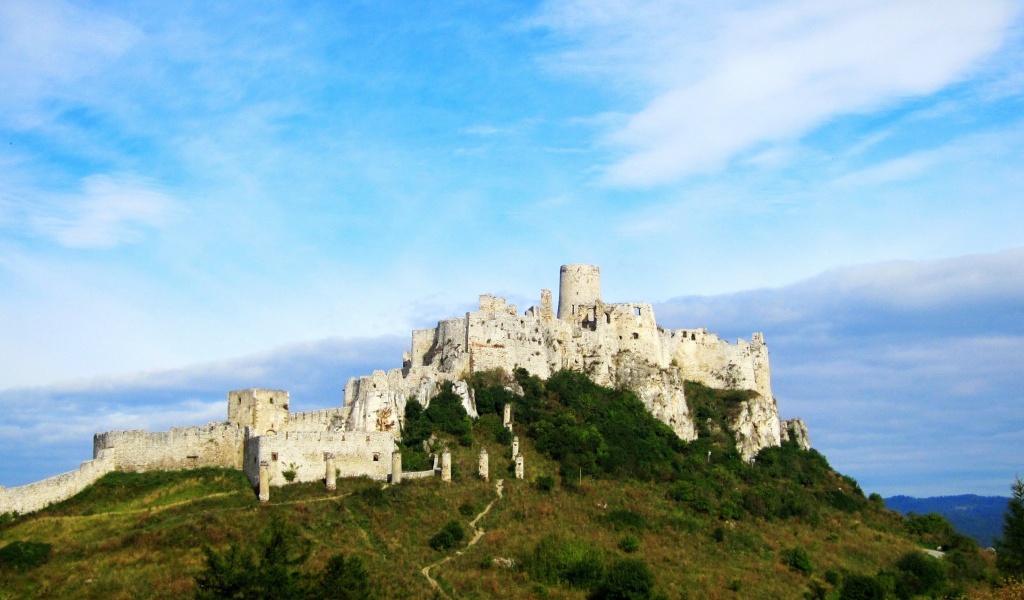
column 633, row 494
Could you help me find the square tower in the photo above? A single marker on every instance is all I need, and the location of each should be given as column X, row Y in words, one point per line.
column 265, row 411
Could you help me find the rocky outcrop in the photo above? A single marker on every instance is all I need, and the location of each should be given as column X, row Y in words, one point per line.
column 795, row 430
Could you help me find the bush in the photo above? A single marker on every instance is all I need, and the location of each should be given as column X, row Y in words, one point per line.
column 625, row 519
column 503, row 436
column 931, row 524
column 24, row 556
column 627, row 579
column 861, row 587
column 447, row 413
column 544, row 483
column 416, row 427
column 556, row 561
column 450, row 535
column 270, row 570
column 798, row 560
column 919, row 574
column 630, row 543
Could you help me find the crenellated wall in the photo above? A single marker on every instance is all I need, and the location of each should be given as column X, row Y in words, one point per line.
column 328, row 419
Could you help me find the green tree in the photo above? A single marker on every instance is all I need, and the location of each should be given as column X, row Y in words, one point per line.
column 1010, row 547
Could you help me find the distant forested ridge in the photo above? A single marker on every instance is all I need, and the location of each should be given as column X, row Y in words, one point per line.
column 980, row 517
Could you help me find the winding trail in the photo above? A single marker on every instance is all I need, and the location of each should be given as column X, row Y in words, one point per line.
column 478, row 533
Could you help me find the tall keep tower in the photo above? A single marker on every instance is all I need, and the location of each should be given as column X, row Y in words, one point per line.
column 578, row 285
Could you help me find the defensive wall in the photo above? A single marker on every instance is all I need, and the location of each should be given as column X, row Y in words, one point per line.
column 40, row 494
column 213, row 445
column 356, row 454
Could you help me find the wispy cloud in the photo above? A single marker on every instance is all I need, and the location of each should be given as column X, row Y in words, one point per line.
column 772, row 73
column 49, row 43
column 110, row 211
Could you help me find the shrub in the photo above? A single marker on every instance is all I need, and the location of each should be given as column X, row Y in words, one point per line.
column 627, row 579
column 450, row 535
column 24, row 556
column 467, row 509
column 270, row 570
column 630, row 543
column 447, row 413
column 416, row 426
column 797, row 559
column 861, row 587
column 556, row 561
column 919, row 573
column 342, row 579
column 842, row 501
column 544, row 483
column 625, row 519
column 503, row 436
column 289, row 473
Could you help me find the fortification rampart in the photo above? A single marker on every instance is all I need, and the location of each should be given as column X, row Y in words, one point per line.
column 213, row 445
column 40, row 494
column 356, row 454
column 329, row 419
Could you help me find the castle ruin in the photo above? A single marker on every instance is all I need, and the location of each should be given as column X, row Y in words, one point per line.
column 616, row 344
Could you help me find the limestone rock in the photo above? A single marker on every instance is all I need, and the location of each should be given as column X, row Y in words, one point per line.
column 796, row 430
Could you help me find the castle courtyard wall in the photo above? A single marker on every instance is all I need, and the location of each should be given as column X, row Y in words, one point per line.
column 356, row 454
column 213, row 445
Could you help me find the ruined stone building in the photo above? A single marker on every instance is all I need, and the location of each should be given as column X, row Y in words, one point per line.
column 617, row 344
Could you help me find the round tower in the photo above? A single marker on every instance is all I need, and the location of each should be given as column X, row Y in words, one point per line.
column 578, row 285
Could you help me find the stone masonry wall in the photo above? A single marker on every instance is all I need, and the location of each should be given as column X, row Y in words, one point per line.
column 213, row 445
column 40, row 494
column 356, row 454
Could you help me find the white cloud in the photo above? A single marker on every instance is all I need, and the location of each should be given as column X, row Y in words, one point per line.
column 109, row 212
column 45, row 43
column 772, row 73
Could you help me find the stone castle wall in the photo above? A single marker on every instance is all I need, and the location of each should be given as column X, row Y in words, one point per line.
column 40, row 494
column 356, row 454
column 317, row 420
column 213, row 445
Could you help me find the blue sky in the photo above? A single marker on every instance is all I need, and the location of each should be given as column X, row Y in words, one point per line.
column 199, row 197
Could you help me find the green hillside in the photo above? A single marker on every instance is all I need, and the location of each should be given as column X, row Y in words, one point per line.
column 612, row 499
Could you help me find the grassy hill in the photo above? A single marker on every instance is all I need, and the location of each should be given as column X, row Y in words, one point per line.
column 786, row 527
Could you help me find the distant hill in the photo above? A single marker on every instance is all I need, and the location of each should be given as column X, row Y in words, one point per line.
column 980, row 517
